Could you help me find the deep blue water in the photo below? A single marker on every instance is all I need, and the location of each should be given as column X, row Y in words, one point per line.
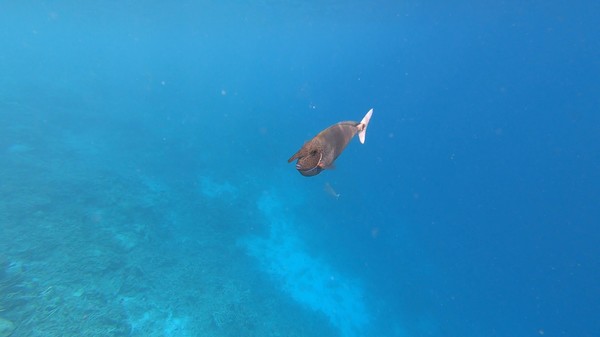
column 144, row 188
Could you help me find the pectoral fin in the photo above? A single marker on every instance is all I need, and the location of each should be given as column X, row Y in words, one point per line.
column 328, row 167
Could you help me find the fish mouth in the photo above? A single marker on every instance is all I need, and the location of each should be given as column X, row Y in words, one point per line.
column 309, row 172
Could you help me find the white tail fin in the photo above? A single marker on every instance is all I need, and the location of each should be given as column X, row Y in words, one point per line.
column 363, row 126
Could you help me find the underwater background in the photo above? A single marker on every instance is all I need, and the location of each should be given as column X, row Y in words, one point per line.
column 144, row 188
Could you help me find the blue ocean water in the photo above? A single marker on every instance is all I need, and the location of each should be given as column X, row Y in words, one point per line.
column 144, row 188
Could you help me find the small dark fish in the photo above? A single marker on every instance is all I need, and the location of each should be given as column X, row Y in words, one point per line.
column 320, row 152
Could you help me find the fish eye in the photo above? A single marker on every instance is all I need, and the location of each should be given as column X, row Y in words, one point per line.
column 313, row 152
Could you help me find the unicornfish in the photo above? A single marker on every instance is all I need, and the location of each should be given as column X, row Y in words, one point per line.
column 320, row 152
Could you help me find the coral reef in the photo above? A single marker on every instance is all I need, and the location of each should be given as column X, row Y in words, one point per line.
column 92, row 248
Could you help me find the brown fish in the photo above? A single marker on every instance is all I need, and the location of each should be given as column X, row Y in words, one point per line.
column 320, row 152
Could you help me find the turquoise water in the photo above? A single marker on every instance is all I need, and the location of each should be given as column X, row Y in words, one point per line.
column 144, row 188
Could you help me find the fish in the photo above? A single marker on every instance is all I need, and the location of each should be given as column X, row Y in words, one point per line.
column 321, row 152
column 331, row 191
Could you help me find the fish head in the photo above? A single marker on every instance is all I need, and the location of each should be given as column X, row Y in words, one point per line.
column 310, row 164
column 309, row 158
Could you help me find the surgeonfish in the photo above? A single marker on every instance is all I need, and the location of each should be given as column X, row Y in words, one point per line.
column 320, row 152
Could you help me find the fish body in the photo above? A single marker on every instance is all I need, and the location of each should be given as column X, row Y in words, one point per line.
column 321, row 152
